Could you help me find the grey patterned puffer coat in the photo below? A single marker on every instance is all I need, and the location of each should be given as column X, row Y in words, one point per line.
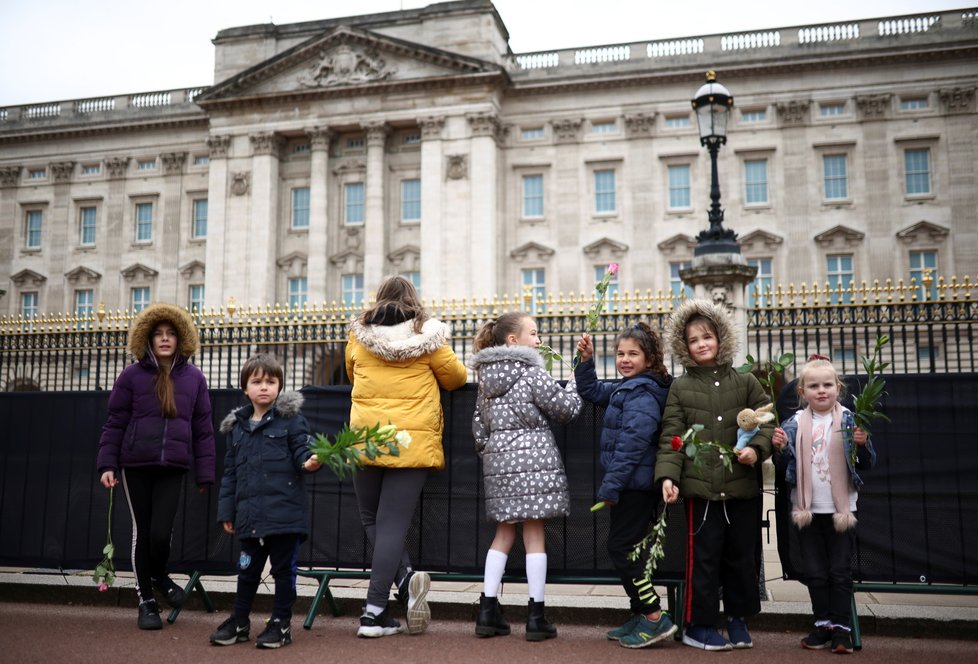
column 521, row 465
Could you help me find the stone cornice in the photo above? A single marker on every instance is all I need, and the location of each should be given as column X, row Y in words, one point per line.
column 873, row 107
column 173, row 162
column 640, row 124
column 487, row 124
column 431, row 127
column 566, row 130
column 848, row 237
column 28, row 278
column 83, row 274
column 923, row 229
column 10, row 175
column 266, row 143
column 793, row 113
column 957, row 100
column 217, row 146
column 62, row 171
column 115, row 167
column 137, row 270
column 81, row 130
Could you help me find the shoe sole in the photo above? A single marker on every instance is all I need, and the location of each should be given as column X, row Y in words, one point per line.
column 491, row 631
column 418, row 615
column 153, row 626
column 818, row 647
column 240, row 638
column 702, row 646
column 655, row 639
column 842, row 650
column 540, row 636
column 377, row 632
column 277, row 644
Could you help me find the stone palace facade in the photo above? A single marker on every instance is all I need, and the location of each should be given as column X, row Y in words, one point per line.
column 328, row 154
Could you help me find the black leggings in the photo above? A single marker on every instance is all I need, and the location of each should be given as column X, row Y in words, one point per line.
column 153, row 495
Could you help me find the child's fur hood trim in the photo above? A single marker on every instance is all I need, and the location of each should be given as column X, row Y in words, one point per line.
column 494, row 354
column 675, row 329
column 395, row 343
column 147, row 320
column 288, row 404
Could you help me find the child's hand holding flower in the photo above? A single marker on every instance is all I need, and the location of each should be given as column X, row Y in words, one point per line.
column 312, row 464
column 860, row 436
column 779, row 438
column 585, row 348
column 747, row 456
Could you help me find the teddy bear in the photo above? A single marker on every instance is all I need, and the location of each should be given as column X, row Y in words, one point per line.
column 749, row 422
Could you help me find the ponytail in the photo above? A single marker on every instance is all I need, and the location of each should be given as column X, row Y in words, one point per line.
column 494, row 332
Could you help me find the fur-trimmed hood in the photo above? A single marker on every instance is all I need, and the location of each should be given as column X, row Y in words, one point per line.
column 396, row 343
column 675, row 329
column 495, row 366
column 288, row 404
column 147, row 320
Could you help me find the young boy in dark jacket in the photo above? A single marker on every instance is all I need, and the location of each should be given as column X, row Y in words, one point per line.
column 263, row 499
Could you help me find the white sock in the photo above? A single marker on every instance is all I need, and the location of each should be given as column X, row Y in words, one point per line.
column 376, row 610
column 536, row 574
column 495, row 568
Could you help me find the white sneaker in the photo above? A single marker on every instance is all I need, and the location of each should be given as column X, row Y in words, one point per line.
column 418, row 614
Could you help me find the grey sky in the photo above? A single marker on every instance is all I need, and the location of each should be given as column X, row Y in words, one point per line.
column 67, row 49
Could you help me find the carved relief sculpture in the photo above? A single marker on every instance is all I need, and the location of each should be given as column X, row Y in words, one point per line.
column 457, row 167
column 173, row 162
column 116, row 166
column 217, row 146
column 9, row 175
column 566, row 130
column 346, row 66
column 266, row 143
column 957, row 100
column 319, row 137
column 431, row 127
column 240, row 183
column 62, row 170
column 640, row 124
column 873, row 107
column 793, row 112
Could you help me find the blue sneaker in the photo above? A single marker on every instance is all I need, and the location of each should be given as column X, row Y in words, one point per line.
column 618, row 632
column 738, row 634
column 647, row 632
column 705, row 637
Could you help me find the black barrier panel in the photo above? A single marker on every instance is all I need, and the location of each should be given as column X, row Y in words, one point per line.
column 54, row 511
column 918, row 507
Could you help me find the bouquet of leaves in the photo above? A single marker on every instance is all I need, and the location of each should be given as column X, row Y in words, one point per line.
column 866, row 403
column 769, row 381
column 344, row 453
column 691, row 445
column 654, row 542
column 104, row 574
column 601, row 290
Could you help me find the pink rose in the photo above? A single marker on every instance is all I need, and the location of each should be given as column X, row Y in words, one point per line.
column 613, row 268
column 103, row 587
column 677, row 443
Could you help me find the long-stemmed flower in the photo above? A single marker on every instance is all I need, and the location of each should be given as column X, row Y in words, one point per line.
column 345, row 452
column 104, row 574
column 601, row 290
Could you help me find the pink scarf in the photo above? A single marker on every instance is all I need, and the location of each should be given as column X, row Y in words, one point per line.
column 843, row 519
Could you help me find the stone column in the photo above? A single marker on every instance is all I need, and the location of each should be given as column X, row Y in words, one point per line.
column 433, row 226
column 218, row 231
column 56, row 233
column 319, row 138
column 9, row 179
column 118, row 238
column 483, row 216
column 375, row 226
column 258, row 270
column 167, row 286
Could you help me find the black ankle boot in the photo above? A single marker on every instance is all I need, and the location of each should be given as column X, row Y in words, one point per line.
column 490, row 621
column 538, row 627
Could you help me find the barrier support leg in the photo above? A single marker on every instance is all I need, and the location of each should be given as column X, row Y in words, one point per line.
column 193, row 584
column 322, row 591
column 857, row 637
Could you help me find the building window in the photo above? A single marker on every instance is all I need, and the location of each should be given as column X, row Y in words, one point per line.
column 611, row 295
column 826, row 110
column 300, row 207
column 762, row 283
column 753, row 116
column 604, row 127
column 353, row 199
column 838, row 269
column 916, row 164
column 201, row 160
column 200, row 218
column 144, row 222
column 836, row 178
column 677, row 121
column 35, row 219
column 86, row 223
column 84, row 305
column 299, row 148
column 298, row 292
column 604, row 191
column 412, row 139
column 195, row 298
column 411, row 200
column 37, row 173
column 531, row 133
column 676, row 285
column 91, row 169
column 913, row 103
column 755, row 181
column 146, row 165
column 139, row 299
column 535, row 285
column 353, row 290
column 924, row 263
column 28, row 305
column 355, row 142
column 532, row 196
column 679, row 196
column 414, row 276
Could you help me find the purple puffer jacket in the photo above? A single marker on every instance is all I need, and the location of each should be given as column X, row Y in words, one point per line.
column 136, row 434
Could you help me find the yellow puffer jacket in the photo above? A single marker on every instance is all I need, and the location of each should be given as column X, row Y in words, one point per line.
column 396, row 375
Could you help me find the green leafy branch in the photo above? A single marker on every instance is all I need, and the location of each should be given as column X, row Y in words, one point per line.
column 601, row 289
column 104, row 574
column 692, row 446
column 769, row 380
column 345, row 452
column 866, row 403
column 654, row 542
column 550, row 356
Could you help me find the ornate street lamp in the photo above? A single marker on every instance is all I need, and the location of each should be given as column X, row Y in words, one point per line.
column 712, row 104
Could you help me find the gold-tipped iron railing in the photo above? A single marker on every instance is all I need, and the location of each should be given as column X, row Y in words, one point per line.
column 931, row 324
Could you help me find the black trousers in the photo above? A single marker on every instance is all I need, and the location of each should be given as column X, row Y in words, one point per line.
column 153, row 495
column 724, row 538
column 283, row 552
column 630, row 521
column 826, row 556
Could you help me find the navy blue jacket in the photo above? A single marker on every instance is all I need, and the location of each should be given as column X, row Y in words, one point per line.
column 630, row 432
column 262, row 491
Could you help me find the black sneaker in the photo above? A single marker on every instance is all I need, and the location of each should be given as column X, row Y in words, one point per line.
column 276, row 635
column 373, row 626
column 149, row 615
column 230, row 632
column 841, row 641
column 172, row 593
column 820, row 638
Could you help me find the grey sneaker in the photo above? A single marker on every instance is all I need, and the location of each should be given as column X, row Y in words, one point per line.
column 417, row 613
column 647, row 632
column 230, row 632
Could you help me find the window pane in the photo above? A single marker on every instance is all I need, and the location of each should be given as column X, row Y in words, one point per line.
column 532, row 133
column 35, row 219
column 679, row 196
column 836, row 178
column 353, row 201
column 414, row 277
column 604, row 127
column 300, row 207
column 839, row 276
column 297, row 292
column 755, row 180
column 140, row 299
column 353, row 290
column 534, row 284
column 28, row 305
column 917, row 169
column 200, row 218
column 532, row 195
column 762, row 283
column 676, row 285
column 88, row 225
column 144, row 222
column 411, row 200
column 676, row 122
column 831, row 109
column 923, row 263
column 753, row 116
column 196, row 297
column 604, row 191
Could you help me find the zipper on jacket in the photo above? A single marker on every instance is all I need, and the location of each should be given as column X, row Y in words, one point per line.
column 166, row 423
